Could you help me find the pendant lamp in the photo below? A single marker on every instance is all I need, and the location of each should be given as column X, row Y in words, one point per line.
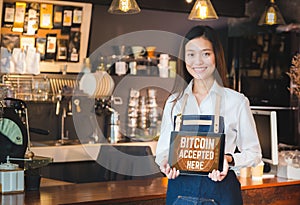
column 203, row 9
column 124, row 7
column 271, row 15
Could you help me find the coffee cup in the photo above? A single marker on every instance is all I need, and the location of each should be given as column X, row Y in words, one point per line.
column 121, row 50
column 164, row 60
column 163, row 71
column 245, row 172
column 258, row 171
column 132, row 66
column 151, row 51
column 138, row 51
column 121, row 68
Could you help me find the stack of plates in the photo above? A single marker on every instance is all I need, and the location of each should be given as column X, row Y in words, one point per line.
column 96, row 85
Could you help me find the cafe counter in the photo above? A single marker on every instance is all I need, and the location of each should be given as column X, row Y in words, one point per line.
column 275, row 191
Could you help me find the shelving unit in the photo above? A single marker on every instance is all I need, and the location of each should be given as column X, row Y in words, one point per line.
column 259, row 65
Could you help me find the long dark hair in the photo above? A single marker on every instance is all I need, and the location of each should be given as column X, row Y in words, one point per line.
column 183, row 77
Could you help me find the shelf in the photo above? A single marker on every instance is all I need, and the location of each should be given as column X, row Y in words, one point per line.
column 56, row 66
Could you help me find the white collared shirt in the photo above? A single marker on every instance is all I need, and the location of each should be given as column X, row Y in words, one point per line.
column 240, row 129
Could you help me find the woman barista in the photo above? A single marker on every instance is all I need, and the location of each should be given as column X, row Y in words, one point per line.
column 204, row 69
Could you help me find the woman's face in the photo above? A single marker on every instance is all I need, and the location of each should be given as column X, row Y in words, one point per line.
column 200, row 58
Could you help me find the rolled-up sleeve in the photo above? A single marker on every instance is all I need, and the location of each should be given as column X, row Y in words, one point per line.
column 247, row 138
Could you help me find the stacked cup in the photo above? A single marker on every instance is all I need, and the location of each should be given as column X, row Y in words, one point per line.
column 143, row 121
column 152, row 111
column 163, row 65
column 133, row 112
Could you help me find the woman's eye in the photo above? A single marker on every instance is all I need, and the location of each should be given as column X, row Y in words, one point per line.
column 190, row 54
column 206, row 54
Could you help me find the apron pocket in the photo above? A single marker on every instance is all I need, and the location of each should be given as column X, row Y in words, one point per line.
column 188, row 200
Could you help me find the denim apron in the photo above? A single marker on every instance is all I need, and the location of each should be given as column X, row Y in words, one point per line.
column 199, row 189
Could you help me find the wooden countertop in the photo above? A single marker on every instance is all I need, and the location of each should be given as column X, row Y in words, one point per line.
column 146, row 191
column 45, row 182
column 248, row 183
column 98, row 192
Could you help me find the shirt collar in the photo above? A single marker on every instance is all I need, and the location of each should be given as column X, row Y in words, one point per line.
column 215, row 89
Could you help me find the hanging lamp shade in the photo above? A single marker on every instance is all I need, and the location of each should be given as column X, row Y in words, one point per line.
column 203, row 9
column 124, row 7
column 271, row 15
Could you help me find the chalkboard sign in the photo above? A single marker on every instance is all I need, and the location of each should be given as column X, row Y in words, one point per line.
column 196, row 152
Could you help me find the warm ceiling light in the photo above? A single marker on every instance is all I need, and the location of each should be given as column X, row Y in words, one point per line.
column 202, row 10
column 124, row 7
column 271, row 15
column 188, row 1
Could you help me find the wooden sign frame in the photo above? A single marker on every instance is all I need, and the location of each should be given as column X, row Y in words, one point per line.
column 196, row 152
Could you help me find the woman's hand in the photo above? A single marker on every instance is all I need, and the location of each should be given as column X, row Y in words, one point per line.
column 216, row 175
column 171, row 173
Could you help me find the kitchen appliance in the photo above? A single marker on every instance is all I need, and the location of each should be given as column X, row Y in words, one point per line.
column 13, row 132
column 114, row 134
column 11, row 178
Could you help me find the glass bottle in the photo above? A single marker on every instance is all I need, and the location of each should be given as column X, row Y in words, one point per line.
column 86, row 68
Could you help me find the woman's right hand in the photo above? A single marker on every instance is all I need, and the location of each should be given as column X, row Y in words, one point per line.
column 171, row 173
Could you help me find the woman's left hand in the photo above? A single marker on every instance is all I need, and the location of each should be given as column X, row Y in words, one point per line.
column 216, row 175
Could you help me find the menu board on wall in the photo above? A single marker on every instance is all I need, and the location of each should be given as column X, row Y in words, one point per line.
column 62, row 50
column 50, row 46
column 36, row 19
column 58, row 15
column 41, row 47
column 8, row 14
column 66, row 20
column 27, row 42
column 32, row 19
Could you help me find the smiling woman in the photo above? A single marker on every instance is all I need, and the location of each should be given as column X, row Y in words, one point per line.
column 204, row 69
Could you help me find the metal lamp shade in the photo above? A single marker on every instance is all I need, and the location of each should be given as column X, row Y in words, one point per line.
column 124, row 7
column 271, row 15
column 203, row 9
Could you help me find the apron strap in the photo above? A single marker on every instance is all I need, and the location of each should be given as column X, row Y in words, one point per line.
column 217, row 114
column 179, row 115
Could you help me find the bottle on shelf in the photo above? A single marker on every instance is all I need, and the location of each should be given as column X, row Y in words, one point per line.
column 86, row 68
